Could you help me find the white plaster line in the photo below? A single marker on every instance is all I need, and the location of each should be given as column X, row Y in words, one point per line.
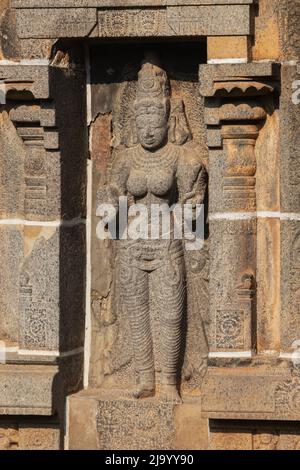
column 25, row 62
column 233, row 216
column 241, row 60
column 268, row 215
column 39, row 223
column 66, row 424
column 283, row 355
column 290, row 216
column 290, row 62
column 10, row 349
column 278, row 215
column 29, row 352
column 293, row 216
column 231, row 354
column 289, row 356
column 269, row 352
column 88, row 85
column 88, row 320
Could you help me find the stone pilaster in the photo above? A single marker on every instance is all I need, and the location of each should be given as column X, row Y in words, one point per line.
column 241, row 110
column 235, row 113
column 42, row 236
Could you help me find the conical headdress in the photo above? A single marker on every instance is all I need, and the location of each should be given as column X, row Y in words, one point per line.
column 153, row 82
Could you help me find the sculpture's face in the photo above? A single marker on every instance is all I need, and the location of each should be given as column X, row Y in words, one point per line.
column 152, row 127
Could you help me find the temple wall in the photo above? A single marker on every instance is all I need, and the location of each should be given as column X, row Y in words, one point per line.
column 69, row 83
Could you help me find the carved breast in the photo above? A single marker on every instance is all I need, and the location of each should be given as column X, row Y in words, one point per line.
column 140, row 183
column 152, row 173
column 137, row 183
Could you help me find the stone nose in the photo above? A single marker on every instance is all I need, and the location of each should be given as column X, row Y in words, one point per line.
column 149, row 132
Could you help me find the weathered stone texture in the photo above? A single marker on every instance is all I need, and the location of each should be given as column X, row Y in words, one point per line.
column 51, row 311
column 167, row 19
column 254, row 436
column 28, row 390
column 289, row 139
column 290, row 203
column 108, row 421
column 289, row 16
column 29, row 435
column 269, row 393
column 11, row 249
column 212, row 336
column 39, row 437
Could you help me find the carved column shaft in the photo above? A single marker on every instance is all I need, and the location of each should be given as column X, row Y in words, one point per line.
column 234, row 120
column 233, row 229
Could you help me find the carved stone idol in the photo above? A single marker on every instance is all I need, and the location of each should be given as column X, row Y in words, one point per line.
column 158, row 169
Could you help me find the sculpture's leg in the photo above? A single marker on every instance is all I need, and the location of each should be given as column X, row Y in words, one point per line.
column 135, row 293
column 170, row 292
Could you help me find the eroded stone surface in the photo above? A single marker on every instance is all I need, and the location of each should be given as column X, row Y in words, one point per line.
column 239, row 329
column 114, row 422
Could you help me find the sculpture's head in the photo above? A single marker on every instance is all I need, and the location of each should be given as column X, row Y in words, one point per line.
column 152, row 106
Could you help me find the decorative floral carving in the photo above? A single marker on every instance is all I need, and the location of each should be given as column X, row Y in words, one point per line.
column 230, row 329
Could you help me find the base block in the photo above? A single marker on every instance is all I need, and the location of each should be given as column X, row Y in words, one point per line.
column 110, row 421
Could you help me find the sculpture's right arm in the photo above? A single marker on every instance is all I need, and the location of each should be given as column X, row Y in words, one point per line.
column 116, row 187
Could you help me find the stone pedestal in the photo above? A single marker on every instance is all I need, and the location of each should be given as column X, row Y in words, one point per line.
column 111, row 420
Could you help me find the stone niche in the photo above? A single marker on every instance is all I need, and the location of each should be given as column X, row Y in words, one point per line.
column 148, row 422
column 156, row 100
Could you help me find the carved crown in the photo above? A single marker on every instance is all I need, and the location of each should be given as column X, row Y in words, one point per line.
column 153, row 83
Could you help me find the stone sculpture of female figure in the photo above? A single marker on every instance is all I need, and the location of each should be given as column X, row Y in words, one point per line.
column 155, row 171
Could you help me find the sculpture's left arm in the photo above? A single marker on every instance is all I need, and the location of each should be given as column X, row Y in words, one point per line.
column 191, row 177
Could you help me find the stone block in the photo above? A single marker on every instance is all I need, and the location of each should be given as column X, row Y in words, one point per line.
column 39, row 437
column 25, row 433
column 13, row 155
column 265, row 392
column 290, row 286
column 229, row 439
column 109, row 421
column 11, row 251
column 211, row 74
column 231, row 303
column 254, row 435
column 55, row 22
column 191, row 429
column 28, row 390
column 289, row 139
column 12, row 47
column 228, row 47
column 119, row 3
column 289, row 18
column 267, row 44
column 268, row 285
column 167, row 19
column 29, row 80
column 181, row 21
column 9, row 436
column 52, row 279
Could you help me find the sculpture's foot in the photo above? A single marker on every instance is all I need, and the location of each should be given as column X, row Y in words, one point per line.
column 170, row 394
column 144, row 391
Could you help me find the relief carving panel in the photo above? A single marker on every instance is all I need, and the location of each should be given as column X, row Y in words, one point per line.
column 152, row 308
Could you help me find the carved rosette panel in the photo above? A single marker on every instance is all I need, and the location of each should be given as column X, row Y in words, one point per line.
column 287, row 399
column 150, row 425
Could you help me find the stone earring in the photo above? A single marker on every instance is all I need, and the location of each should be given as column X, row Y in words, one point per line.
column 130, row 134
column 179, row 132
